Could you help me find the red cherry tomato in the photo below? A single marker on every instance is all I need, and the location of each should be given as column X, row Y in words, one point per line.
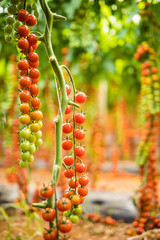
column 23, row 72
column 32, row 39
column 50, row 234
column 69, row 173
column 33, row 57
column 48, row 214
column 68, row 109
column 65, row 225
column 34, row 73
column 80, row 97
column 34, row 80
column 79, row 151
column 34, row 64
column 46, row 191
column 23, row 31
column 67, row 128
column 64, row 204
column 68, row 160
column 80, row 167
column 79, row 118
column 67, row 145
column 72, row 183
column 34, row 90
column 23, row 15
column 68, row 89
column 76, row 200
column 82, row 191
column 24, row 108
column 79, row 134
column 25, row 82
column 23, row 44
column 36, row 115
column 24, row 96
column 31, row 20
column 35, row 102
column 23, row 64
column 83, row 180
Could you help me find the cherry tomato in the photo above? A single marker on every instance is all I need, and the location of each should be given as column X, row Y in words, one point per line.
column 36, row 115
column 31, row 159
column 80, row 97
column 79, row 118
column 65, row 225
column 82, row 191
column 68, row 109
column 32, row 138
column 46, row 191
column 34, row 90
column 32, row 39
column 23, row 64
column 68, row 160
column 25, row 145
column 50, row 234
column 68, row 89
column 24, row 96
column 69, row 194
column 76, row 200
column 33, row 57
column 25, row 156
column 74, row 218
column 79, row 151
column 64, row 204
column 32, row 148
column 83, row 180
column 31, row 21
column 25, row 82
column 80, row 167
column 23, row 31
column 34, row 127
column 67, row 145
column 77, row 209
column 38, row 142
column 24, row 108
column 34, row 64
column 23, row 164
column 35, row 102
column 34, row 80
column 38, row 134
column 69, row 173
column 34, row 73
column 72, row 183
column 48, row 214
column 25, row 133
column 23, row 15
column 79, row 134
column 82, row 199
column 67, row 128
column 23, row 44
column 34, row 46
column 24, row 119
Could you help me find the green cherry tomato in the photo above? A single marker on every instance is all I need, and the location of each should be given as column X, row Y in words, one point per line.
column 25, row 133
column 12, row 9
column 9, row 20
column 16, row 24
column 25, row 145
column 8, row 38
column 32, row 138
column 8, row 28
column 74, row 218
column 32, row 148
column 23, row 164
column 25, row 156
column 77, row 210
column 38, row 142
column 31, row 158
column 38, row 134
column 67, row 213
column 40, row 124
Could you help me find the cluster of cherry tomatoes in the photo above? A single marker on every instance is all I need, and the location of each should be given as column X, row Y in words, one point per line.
column 30, row 134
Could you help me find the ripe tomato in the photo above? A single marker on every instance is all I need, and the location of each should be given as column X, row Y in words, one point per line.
column 23, row 72
column 69, row 173
column 154, row 69
column 82, row 191
column 23, row 15
column 35, row 102
column 80, row 97
column 77, row 209
column 69, row 194
column 34, row 90
column 83, row 180
column 67, row 145
column 79, row 118
column 34, row 127
column 64, row 204
column 68, row 109
column 68, row 160
column 31, row 20
column 65, row 225
column 34, row 46
column 48, row 214
column 72, row 183
column 24, row 119
column 32, row 39
column 33, row 57
column 23, row 64
column 23, row 31
column 34, row 73
column 79, row 134
column 36, row 115
column 79, row 151
column 68, row 89
column 24, row 96
column 82, row 199
column 74, row 218
column 76, row 200
column 24, row 108
column 34, row 80
column 25, row 82
column 67, row 128
column 23, row 44
column 50, row 234
column 34, row 64
column 80, row 167
column 46, row 191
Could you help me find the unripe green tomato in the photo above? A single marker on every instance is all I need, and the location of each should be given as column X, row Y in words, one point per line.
column 23, row 164
column 12, row 9
column 25, row 145
column 67, row 213
column 8, row 38
column 77, row 210
column 32, row 148
column 14, row 1
column 20, row 6
column 16, row 24
column 32, row 138
column 40, row 123
column 38, row 142
column 74, row 218
column 156, row 85
column 10, row 20
column 31, row 158
column 25, row 133
column 38, row 134
column 25, row 156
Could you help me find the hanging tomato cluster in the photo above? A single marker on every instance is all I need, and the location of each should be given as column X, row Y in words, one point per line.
column 147, row 201
column 30, row 118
